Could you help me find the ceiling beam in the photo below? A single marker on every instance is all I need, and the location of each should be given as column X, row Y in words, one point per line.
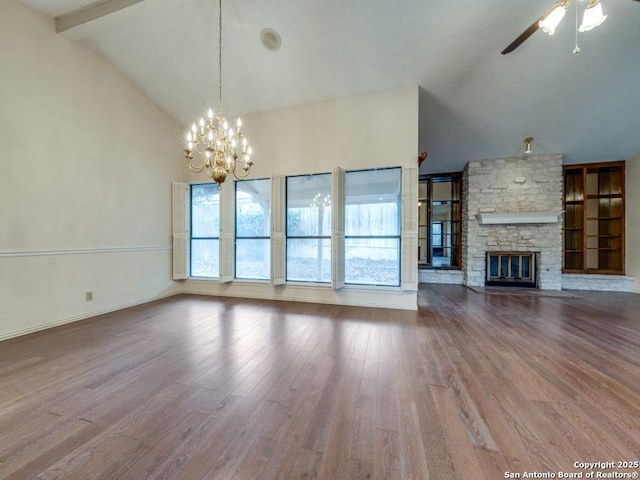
column 71, row 25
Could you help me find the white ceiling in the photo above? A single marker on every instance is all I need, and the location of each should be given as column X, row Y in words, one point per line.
column 475, row 102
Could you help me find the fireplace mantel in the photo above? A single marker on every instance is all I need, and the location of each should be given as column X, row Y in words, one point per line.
column 512, row 218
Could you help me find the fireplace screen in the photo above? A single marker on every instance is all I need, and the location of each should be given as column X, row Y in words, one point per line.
column 511, row 269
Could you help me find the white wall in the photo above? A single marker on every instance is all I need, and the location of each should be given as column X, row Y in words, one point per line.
column 367, row 131
column 632, row 202
column 87, row 162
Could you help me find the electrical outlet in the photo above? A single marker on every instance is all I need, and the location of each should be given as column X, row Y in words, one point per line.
column 88, row 296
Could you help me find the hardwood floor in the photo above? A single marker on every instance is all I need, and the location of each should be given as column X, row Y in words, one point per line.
column 472, row 386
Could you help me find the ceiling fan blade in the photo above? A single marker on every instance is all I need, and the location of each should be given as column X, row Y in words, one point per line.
column 522, row 37
column 528, row 32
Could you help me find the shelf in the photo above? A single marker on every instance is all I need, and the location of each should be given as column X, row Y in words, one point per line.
column 518, row 218
column 596, row 196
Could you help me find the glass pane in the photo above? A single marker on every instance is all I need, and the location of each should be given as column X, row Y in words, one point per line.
column 253, row 259
column 441, row 191
column 493, row 266
column 253, row 202
column 204, row 258
column 372, row 199
column 526, row 267
column 515, row 267
column 436, row 234
column 309, row 205
column 205, row 210
column 504, row 265
column 372, row 261
column 309, row 259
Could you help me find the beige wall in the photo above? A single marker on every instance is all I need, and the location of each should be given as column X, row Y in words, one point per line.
column 632, row 201
column 365, row 131
column 376, row 130
column 87, row 162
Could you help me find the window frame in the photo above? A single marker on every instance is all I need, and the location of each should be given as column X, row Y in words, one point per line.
column 397, row 236
column 191, row 236
column 425, row 232
column 183, row 221
column 324, row 238
column 264, row 237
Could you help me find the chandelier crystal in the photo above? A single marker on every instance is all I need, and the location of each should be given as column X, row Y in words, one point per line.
column 219, row 149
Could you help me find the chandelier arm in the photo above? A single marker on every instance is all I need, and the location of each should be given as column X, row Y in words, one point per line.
column 195, row 168
column 239, row 176
column 197, row 150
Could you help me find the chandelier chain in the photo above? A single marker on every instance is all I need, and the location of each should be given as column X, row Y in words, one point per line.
column 218, row 146
column 220, row 57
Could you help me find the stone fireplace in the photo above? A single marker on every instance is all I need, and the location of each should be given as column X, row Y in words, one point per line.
column 513, row 206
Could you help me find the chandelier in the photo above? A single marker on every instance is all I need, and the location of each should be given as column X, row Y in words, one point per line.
column 218, row 148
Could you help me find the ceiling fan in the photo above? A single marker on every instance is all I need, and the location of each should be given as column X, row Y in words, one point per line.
column 550, row 19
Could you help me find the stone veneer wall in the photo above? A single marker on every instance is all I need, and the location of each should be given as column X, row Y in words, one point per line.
column 601, row 283
column 442, row 276
column 513, row 185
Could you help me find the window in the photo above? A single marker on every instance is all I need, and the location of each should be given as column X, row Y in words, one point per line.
column 594, row 218
column 309, row 228
column 340, row 228
column 372, row 227
column 205, row 230
column 253, row 227
column 439, row 213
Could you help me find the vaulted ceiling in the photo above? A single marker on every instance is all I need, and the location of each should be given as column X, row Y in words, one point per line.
column 475, row 103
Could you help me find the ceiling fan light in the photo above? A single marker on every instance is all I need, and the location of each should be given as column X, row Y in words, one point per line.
column 551, row 21
column 592, row 16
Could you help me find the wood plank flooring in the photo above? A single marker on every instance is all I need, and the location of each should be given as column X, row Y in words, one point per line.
column 471, row 387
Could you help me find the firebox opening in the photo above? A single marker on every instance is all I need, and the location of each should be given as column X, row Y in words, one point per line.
column 511, row 269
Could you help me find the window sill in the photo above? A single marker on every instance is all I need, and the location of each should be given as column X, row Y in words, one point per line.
column 429, row 267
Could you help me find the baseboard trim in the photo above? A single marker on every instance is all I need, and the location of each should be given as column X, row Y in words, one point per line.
column 289, row 298
column 83, row 316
